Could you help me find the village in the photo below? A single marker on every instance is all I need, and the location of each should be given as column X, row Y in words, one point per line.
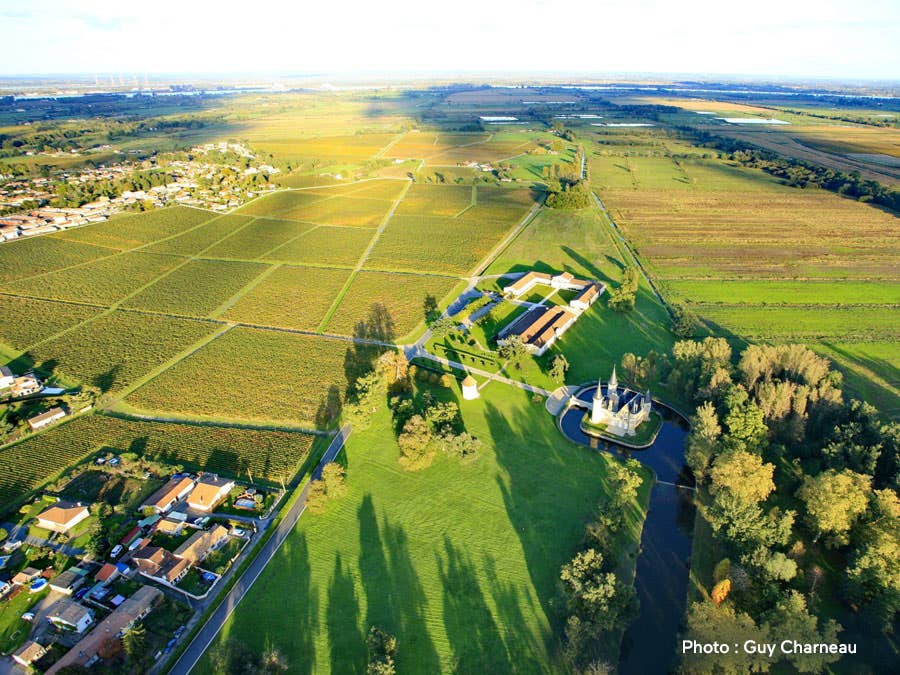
column 27, row 201
column 115, row 549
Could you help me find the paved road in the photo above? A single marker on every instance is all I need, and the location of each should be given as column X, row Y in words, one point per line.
column 233, row 597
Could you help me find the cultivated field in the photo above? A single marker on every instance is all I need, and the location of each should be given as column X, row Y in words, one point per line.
column 254, row 375
column 26, row 321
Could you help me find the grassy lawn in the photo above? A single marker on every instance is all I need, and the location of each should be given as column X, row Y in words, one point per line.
column 460, row 561
column 217, row 561
column 13, row 630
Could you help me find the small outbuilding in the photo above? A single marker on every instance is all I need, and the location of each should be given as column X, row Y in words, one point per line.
column 470, row 388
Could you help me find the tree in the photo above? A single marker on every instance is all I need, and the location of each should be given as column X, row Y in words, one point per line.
column 416, row 451
column 702, row 440
column 624, row 482
column 744, row 420
column 720, row 591
column 317, row 497
column 463, row 445
column 791, row 618
column 708, row 623
column 273, row 661
column 134, row 641
column 559, row 366
column 3, row 534
column 514, row 350
column 834, row 502
column 382, row 648
column 621, row 300
column 744, row 475
column 442, row 327
column 333, row 476
column 593, row 595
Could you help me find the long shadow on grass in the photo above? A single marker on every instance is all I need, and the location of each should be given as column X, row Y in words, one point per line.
column 395, row 599
column 473, row 634
column 347, row 646
column 550, row 490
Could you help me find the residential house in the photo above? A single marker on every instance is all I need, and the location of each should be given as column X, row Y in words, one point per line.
column 202, row 543
column 158, row 563
column 62, row 516
column 169, row 494
column 209, row 492
column 171, row 527
column 68, row 582
column 25, row 385
column 69, row 614
column 46, row 418
column 26, row 576
column 107, row 574
column 28, row 653
column 134, row 609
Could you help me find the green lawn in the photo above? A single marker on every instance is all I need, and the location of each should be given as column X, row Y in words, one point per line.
column 460, row 561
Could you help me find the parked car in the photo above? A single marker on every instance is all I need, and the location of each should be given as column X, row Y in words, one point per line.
column 116, row 552
column 238, row 532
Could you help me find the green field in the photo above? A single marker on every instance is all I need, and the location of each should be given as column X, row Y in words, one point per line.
column 200, row 238
column 270, row 455
column 253, row 375
column 130, row 231
column 258, row 238
column 29, row 257
column 26, row 321
column 325, row 245
column 460, row 561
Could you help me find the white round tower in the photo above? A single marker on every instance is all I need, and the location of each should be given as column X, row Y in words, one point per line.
column 470, row 388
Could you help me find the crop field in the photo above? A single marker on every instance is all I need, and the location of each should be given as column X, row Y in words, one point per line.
column 423, row 145
column 26, row 258
column 797, row 323
column 436, row 200
column 270, row 455
column 466, row 584
column 394, row 302
column 370, row 189
column 196, row 240
column 325, row 245
column 115, row 349
column 129, row 231
column 871, row 370
column 103, row 282
column 490, row 151
column 353, row 148
column 251, row 374
column 766, row 292
column 410, row 244
column 196, row 288
column 258, row 238
column 26, row 321
column 271, row 204
column 322, row 208
column 290, row 297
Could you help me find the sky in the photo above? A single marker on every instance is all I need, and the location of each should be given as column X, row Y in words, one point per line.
column 770, row 38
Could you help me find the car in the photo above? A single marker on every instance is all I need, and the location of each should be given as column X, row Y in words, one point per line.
column 238, row 532
column 28, row 616
column 201, row 522
column 114, row 461
column 80, row 594
column 116, row 552
column 179, row 631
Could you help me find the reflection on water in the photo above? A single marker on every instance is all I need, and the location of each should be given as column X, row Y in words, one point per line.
column 664, row 562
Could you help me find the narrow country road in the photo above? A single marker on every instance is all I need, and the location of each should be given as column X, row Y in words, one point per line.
column 412, row 352
column 233, row 597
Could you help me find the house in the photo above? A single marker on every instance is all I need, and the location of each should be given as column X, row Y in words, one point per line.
column 46, row 418
column 6, row 377
column 25, row 385
column 169, row 494
column 586, row 297
column 68, row 582
column 202, row 543
column 107, row 573
column 132, row 610
column 170, row 527
column 29, row 652
column 158, row 563
column 526, row 282
column 62, row 516
column 133, row 534
column 209, row 492
column 26, row 576
column 69, row 614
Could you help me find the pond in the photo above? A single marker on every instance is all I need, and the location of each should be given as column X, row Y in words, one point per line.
column 664, row 563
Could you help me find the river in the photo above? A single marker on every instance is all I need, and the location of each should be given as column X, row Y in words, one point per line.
column 663, row 565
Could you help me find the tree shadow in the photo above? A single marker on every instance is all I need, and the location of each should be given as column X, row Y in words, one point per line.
column 395, row 599
column 329, row 407
column 360, row 357
column 347, row 647
column 473, row 634
column 104, row 381
column 594, row 271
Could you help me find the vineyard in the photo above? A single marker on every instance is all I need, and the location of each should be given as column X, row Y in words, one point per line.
column 20, row 259
column 325, row 245
column 129, row 231
column 269, row 455
column 258, row 238
column 200, row 238
column 290, row 297
column 249, row 374
column 196, row 288
column 20, row 328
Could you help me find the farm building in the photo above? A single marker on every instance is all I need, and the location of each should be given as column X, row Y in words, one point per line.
column 122, row 618
column 209, row 492
column 563, row 281
column 201, row 544
column 168, row 495
column 62, row 516
column 46, row 418
column 539, row 327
